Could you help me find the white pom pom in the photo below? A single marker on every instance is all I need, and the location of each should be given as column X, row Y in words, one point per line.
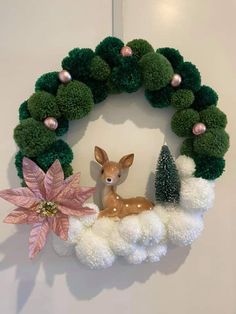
column 184, row 228
column 75, row 229
column 153, row 229
column 130, row 229
column 103, row 227
column 138, row 256
column 62, row 248
column 185, row 165
column 88, row 220
column 94, row 251
column 118, row 245
column 163, row 212
column 196, row 194
column 154, row 253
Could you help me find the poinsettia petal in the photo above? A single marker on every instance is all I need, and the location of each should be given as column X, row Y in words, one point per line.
column 38, row 236
column 53, row 180
column 70, row 184
column 80, row 211
column 17, row 216
column 22, row 197
column 34, row 217
column 60, row 226
column 84, row 193
column 34, row 177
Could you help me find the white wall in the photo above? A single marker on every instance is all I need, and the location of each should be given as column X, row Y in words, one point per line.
column 34, row 37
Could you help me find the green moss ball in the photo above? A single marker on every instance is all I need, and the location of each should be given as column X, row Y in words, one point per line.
column 127, row 76
column 63, row 127
column 140, row 47
column 33, row 137
column 172, row 55
column 205, row 97
column 68, row 170
column 112, row 88
column 160, row 98
column 213, row 117
column 214, row 142
column 18, row 164
column 23, row 111
column 75, row 100
column 99, row 69
column 58, row 150
column 182, row 99
column 187, row 147
column 109, row 50
column 191, row 78
column 156, row 71
column 183, row 121
column 209, row 168
column 42, row 105
column 48, row 82
column 99, row 90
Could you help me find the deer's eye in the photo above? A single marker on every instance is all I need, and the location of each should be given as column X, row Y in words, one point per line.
column 102, row 171
column 119, row 175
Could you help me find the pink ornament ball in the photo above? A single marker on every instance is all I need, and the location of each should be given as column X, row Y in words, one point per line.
column 126, row 51
column 51, row 123
column 64, row 76
column 176, row 80
column 199, row 128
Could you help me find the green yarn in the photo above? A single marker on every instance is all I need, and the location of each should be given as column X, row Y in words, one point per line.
column 63, row 127
column 68, row 170
column 48, row 82
column 156, row 71
column 112, row 88
column 183, row 121
column 140, row 47
column 58, row 150
column 18, row 164
column 109, row 50
column 127, row 76
column 191, row 78
column 172, row 55
column 187, row 148
column 42, row 105
column 23, row 111
column 182, row 99
column 213, row 117
column 160, row 98
column 99, row 69
column 209, row 168
column 214, row 142
column 33, row 137
column 99, row 90
column 75, row 100
column 205, row 97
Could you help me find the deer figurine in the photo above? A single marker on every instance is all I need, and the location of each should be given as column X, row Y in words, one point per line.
column 111, row 174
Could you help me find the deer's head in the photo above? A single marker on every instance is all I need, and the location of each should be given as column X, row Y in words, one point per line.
column 111, row 171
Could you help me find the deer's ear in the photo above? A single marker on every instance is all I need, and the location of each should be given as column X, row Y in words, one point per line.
column 100, row 155
column 126, row 161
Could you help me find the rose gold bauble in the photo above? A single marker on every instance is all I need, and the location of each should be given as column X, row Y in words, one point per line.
column 51, row 123
column 126, row 51
column 199, row 128
column 176, row 80
column 64, row 76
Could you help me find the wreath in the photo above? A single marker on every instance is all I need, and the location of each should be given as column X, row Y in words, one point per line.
column 51, row 198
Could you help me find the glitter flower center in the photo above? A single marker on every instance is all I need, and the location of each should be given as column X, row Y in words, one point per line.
column 47, row 209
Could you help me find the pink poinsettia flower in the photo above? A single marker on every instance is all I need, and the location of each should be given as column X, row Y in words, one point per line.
column 46, row 202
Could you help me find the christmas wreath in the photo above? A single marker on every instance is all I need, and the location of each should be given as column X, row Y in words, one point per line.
column 52, row 199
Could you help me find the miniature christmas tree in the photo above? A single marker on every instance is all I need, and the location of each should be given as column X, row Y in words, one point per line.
column 167, row 182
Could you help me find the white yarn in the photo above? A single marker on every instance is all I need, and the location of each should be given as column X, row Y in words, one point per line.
column 185, row 165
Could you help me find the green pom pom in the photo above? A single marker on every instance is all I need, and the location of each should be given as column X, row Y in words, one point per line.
column 78, row 63
column 33, row 137
column 191, row 78
column 214, row 142
column 209, row 168
column 140, row 47
column 42, row 105
column 68, row 170
column 63, row 127
column 99, row 90
column 183, row 121
column 109, row 50
column 213, row 117
column 127, row 76
column 172, row 55
column 99, row 69
column 75, row 100
column 205, row 97
column 156, row 71
column 112, row 88
column 58, row 150
column 23, row 111
column 160, row 98
column 48, row 82
column 187, row 148
column 18, row 163
column 182, row 99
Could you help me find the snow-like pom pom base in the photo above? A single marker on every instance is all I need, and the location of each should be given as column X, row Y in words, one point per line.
column 185, row 165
